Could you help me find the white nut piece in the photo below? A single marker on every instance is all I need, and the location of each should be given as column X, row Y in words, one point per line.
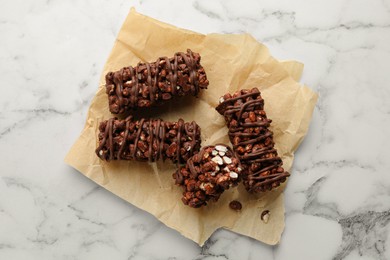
column 206, row 155
column 215, row 171
column 221, row 153
column 227, row 160
column 214, row 152
column 101, row 152
column 221, row 99
column 203, row 185
column 239, row 169
column 226, row 169
column 233, row 175
column 265, row 216
column 217, row 159
column 221, row 148
column 222, row 179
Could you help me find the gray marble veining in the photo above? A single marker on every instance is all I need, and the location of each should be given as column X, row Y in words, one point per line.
column 337, row 199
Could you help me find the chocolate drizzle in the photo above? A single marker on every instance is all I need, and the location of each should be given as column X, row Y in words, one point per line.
column 252, row 140
column 148, row 84
column 149, row 140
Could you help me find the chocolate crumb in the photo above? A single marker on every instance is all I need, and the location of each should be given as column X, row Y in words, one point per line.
column 235, row 205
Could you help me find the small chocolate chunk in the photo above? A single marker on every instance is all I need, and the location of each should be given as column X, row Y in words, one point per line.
column 235, row 205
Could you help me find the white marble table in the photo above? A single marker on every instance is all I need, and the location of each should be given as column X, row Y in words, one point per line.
column 337, row 199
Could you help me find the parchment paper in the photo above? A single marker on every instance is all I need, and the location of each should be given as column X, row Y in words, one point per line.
column 231, row 62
